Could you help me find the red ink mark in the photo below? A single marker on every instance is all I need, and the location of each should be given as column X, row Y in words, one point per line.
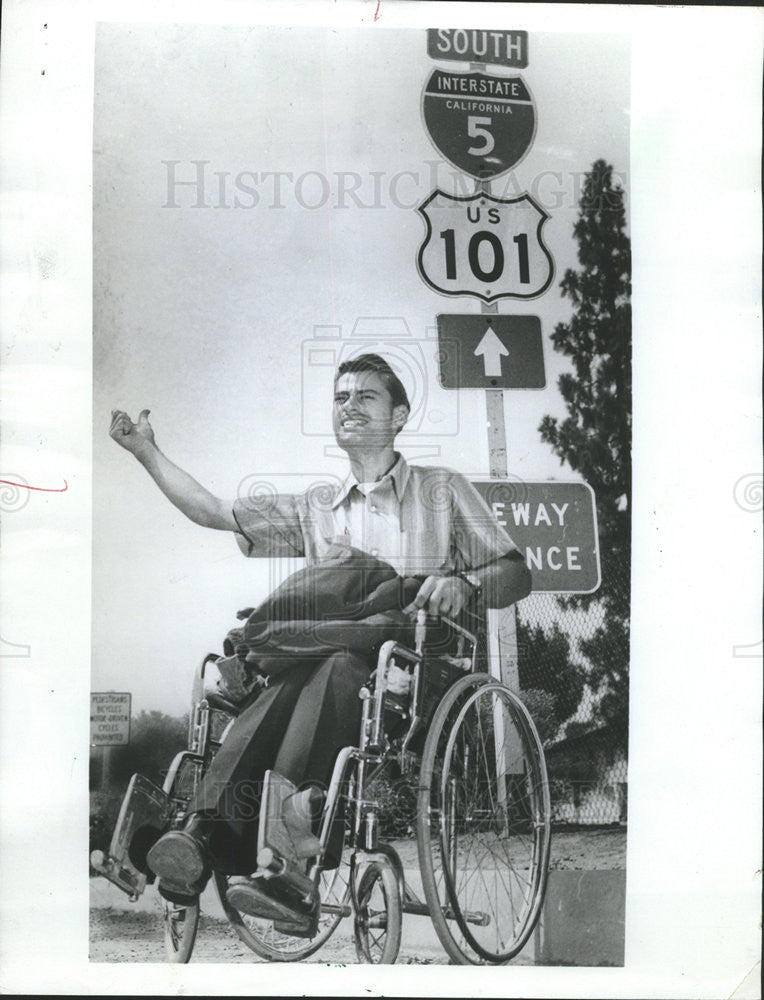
column 39, row 489
column 377, row 15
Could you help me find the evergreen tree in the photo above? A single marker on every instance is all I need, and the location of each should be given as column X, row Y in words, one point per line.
column 544, row 666
column 595, row 438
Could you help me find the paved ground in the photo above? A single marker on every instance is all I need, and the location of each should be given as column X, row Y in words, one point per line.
column 121, row 931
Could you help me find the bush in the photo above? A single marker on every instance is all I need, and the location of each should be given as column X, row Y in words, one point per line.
column 104, row 809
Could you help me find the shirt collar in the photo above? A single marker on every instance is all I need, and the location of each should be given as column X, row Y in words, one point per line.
column 399, row 474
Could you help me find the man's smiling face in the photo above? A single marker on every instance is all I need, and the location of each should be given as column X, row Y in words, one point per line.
column 363, row 414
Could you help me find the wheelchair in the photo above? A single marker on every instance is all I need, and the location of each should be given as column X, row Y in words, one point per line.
column 467, row 751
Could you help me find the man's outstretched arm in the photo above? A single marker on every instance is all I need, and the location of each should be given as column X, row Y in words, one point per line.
column 190, row 497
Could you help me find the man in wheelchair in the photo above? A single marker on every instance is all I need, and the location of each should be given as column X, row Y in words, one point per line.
column 393, row 540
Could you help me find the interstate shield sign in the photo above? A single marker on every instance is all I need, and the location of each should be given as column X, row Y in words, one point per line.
column 484, row 246
column 482, row 124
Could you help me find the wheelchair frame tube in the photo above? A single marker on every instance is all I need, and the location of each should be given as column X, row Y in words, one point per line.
column 386, row 653
column 345, row 756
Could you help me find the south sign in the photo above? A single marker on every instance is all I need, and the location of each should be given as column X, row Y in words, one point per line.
column 484, row 246
column 482, row 124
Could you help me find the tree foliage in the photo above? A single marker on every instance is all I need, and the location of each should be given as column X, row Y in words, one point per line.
column 595, row 438
column 155, row 738
column 545, row 667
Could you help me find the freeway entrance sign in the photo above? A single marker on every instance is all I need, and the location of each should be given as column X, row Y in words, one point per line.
column 484, row 246
column 554, row 525
column 490, row 351
column 482, row 124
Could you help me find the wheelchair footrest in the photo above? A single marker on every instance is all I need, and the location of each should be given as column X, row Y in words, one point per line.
column 273, row 867
column 143, row 816
column 128, row 880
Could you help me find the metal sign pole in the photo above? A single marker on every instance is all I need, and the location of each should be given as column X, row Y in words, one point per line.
column 501, row 624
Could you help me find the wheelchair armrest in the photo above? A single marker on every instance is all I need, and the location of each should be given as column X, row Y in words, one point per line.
column 209, row 685
column 221, row 704
column 197, row 687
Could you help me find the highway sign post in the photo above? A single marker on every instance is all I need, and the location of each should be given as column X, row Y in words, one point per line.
column 482, row 124
column 490, row 351
column 486, row 247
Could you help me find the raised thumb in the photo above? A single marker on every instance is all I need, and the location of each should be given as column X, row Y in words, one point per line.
column 143, row 416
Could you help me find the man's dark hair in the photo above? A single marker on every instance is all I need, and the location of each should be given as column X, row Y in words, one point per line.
column 375, row 363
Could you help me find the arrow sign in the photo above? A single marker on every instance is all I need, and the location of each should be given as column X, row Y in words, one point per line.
column 492, row 350
column 472, row 349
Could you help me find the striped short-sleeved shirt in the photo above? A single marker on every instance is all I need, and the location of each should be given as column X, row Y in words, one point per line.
column 420, row 519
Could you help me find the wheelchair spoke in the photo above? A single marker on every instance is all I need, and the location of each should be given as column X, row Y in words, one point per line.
column 488, row 785
column 377, row 925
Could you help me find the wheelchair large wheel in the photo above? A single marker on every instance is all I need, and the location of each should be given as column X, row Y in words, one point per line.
column 180, row 926
column 263, row 938
column 483, row 822
column 378, row 916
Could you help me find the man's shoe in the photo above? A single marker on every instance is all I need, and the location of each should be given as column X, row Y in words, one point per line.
column 179, row 858
column 264, row 899
column 177, row 894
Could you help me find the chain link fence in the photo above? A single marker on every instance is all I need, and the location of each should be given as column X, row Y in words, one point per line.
column 573, row 674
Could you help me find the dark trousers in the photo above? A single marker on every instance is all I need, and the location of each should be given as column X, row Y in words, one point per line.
column 296, row 727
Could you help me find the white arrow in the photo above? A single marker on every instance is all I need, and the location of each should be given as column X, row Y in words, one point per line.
column 492, row 349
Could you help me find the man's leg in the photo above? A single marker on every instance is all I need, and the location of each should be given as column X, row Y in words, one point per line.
column 222, row 817
column 326, row 718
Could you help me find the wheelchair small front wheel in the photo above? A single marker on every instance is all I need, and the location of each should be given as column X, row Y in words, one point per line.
column 180, row 927
column 378, row 916
column 483, row 822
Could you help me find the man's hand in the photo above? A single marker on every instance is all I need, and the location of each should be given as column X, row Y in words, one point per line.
column 441, row 595
column 182, row 490
column 133, row 437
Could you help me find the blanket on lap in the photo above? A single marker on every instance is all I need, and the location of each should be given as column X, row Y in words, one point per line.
column 350, row 601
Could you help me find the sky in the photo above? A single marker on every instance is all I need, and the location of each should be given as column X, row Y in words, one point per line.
column 223, row 307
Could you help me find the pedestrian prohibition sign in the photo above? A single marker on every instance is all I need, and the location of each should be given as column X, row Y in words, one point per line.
column 109, row 718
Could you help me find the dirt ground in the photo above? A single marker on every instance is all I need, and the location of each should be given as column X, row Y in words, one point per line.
column 121, row 931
